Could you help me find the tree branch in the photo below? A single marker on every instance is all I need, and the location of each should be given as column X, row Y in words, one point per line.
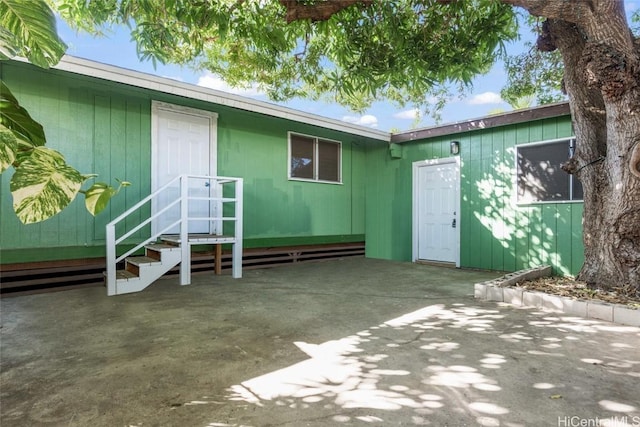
column 317, row 11
column 570, row 11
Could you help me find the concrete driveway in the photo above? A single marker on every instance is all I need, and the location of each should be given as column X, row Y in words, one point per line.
column 356, row 342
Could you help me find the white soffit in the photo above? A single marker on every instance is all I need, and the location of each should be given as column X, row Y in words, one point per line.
column 162, row 84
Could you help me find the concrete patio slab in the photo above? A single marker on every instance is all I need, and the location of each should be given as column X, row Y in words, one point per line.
column 356, row 342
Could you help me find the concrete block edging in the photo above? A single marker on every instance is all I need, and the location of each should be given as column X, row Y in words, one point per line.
column 503, row 290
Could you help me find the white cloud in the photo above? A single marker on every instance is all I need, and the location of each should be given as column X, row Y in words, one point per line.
column 485, row 98
column 366, row 120
column 213, row 81
column 412, row 114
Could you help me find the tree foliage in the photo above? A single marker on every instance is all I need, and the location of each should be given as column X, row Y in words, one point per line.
column 538, row 73
column 405, row 51
column 534, row 73
column 43, row 184
column 28, row 29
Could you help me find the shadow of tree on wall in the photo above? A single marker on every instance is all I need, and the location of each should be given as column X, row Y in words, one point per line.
column 411, row 371
column 522, row 235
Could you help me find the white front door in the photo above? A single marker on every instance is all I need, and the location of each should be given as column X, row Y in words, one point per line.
column 436, row 211
column 184, row 142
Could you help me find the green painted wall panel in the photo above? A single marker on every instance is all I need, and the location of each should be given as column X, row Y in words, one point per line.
column 549, row 235
column 470, row 204
column 564, row 239
column 380, row 210
column 577, row 250
column 496, row 233
column 486, row 212
column 103, row 158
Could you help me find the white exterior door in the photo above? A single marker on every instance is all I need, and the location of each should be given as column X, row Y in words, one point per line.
column 184, row 142
column 436, row 211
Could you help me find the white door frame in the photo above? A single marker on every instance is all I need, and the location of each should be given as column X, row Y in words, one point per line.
column 156, row 107
column 416, row 191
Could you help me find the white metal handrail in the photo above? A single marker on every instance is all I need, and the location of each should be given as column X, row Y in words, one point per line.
column 183, row 199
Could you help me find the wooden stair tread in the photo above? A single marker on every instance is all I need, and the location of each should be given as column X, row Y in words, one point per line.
column 124, row 274
column 139, row 260
column 199, row 238
column 162, row 246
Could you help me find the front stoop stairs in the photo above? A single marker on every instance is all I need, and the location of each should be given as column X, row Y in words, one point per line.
column 140, row 271
column 163, row 252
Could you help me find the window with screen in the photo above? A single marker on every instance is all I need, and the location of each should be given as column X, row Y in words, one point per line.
column 540, row 177
column 314, row 159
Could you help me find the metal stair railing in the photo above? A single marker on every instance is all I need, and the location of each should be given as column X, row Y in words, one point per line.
column 112, row 241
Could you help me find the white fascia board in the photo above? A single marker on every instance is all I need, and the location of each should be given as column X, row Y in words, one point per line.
column 111, row 73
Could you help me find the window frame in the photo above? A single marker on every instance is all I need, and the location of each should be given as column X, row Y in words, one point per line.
column 571, row 140
column 316, row 162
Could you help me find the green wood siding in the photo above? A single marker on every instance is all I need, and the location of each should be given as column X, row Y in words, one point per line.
column 97, row 130
column 105, row 128
column 495, row 232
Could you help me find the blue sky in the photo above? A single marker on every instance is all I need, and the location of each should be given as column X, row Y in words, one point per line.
column 118, row 50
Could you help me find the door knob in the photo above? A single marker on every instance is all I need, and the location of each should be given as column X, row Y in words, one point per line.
column 453, row 223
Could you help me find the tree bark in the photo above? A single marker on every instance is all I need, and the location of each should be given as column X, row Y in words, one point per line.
column 320, row 11
column 602, row 79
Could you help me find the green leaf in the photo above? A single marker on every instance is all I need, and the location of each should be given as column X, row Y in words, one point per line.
column 43, row 185
column 8, row 148
column 97, row 197
column 28, row 28
column 16, row 118
column 8, row 44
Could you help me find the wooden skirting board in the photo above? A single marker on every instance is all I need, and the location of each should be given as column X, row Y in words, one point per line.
column 51, row 276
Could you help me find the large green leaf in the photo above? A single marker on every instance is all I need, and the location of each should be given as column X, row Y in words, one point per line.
column 8, row 148
column 16, row 118
column 97, row 197
column 28, row 28
column 43, row 185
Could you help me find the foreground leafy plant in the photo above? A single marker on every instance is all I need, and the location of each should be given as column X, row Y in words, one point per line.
column 43, row 183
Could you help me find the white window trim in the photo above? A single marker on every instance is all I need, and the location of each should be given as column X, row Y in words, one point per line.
column 315, row 154
column 515, row 175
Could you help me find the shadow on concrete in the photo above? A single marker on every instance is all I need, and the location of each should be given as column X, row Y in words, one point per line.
column 430, row 367
column 352, row 342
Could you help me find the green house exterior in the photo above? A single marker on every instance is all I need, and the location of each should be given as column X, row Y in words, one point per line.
column 104, row 127
column 100, row 118
column 496, row 232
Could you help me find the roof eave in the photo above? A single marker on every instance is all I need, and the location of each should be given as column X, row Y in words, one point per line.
column 504, row 119
column 139, row 79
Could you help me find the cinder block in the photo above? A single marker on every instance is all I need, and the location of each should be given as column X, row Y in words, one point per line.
column 480, row 291
column 529, row 274
column 494, row 293
column 536, row 272
column 552, row 302
column 626, row 316
column 513, row 295
column 600, row 310
column 532, row 299
column 575, row 307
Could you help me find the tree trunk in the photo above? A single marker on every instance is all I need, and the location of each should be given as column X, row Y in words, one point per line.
column 602, row 80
